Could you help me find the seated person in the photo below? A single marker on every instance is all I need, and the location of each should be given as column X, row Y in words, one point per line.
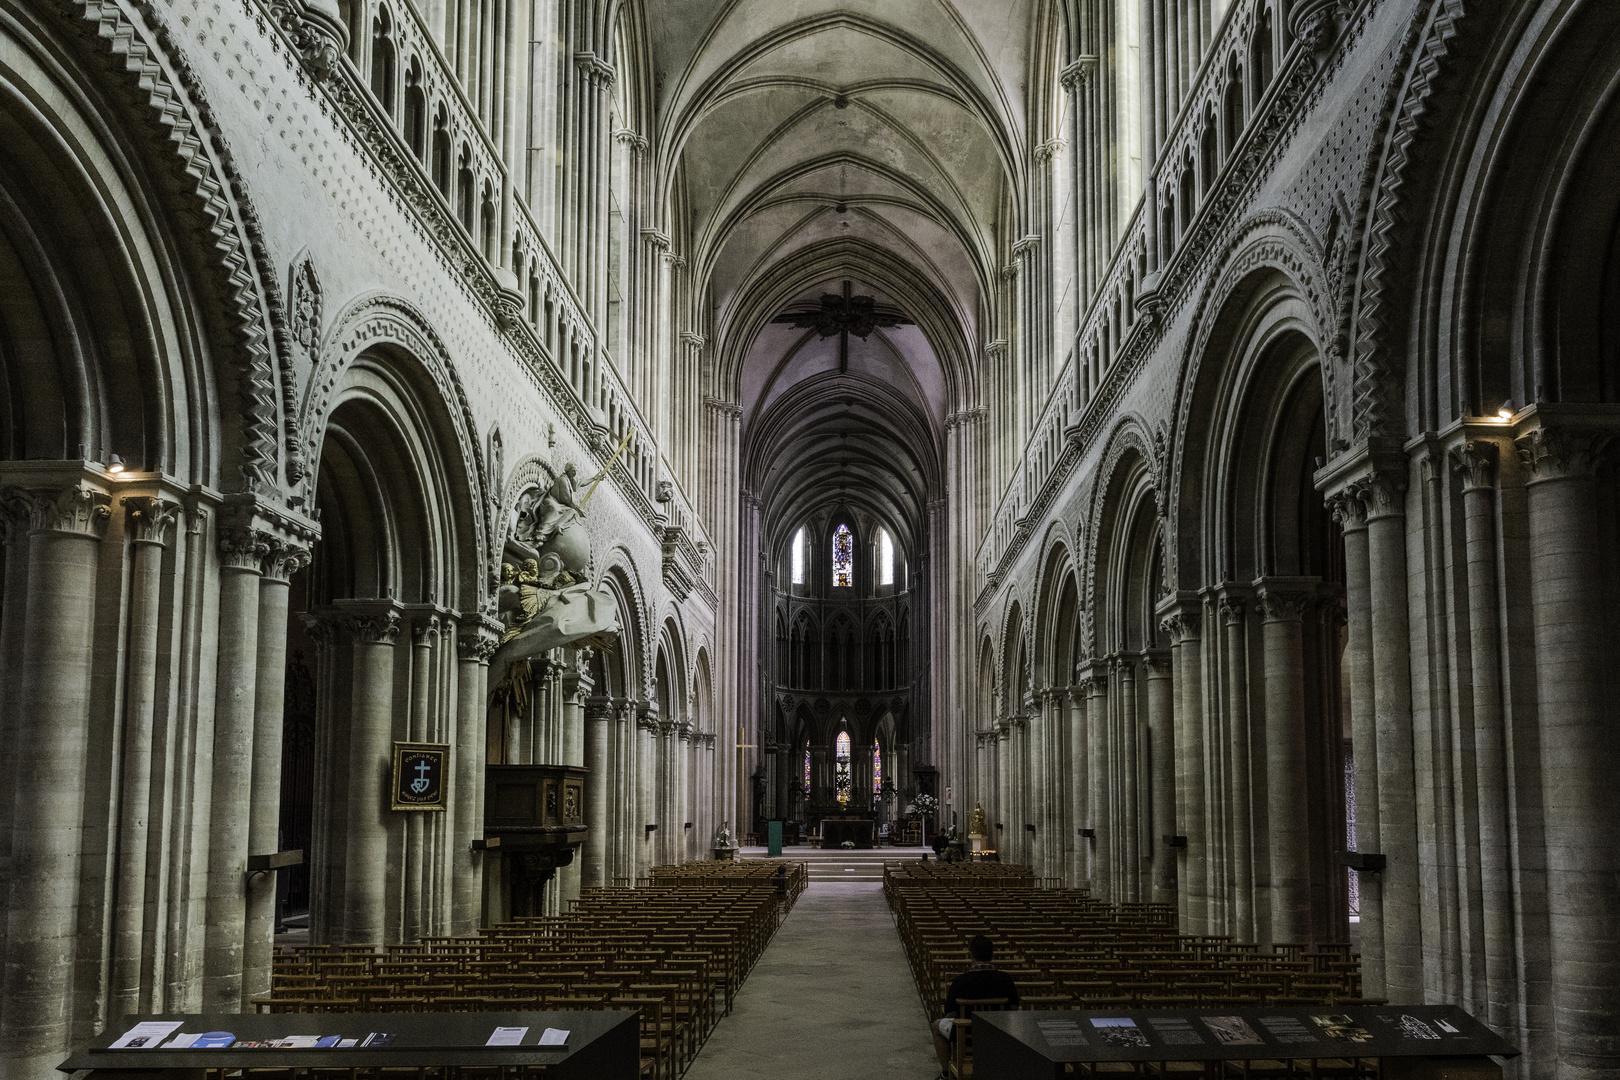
column 981, row 980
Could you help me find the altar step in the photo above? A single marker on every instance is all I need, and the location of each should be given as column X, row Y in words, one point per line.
column 842, row 865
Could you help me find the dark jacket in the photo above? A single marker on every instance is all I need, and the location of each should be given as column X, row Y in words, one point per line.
column 978, row 982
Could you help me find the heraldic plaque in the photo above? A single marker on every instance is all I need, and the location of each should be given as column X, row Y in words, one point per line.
column 419, row 775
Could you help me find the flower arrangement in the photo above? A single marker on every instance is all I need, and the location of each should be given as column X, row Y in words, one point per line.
column 923, row 806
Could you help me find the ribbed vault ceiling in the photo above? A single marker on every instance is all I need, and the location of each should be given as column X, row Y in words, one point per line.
column 812, row 143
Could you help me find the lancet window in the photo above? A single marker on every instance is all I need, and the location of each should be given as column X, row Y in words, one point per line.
column 843, row 558
column 841, row 756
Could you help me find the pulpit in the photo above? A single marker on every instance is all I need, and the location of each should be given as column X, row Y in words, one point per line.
column 835, row 831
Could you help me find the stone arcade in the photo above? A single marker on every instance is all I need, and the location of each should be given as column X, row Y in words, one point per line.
column 1185, row 429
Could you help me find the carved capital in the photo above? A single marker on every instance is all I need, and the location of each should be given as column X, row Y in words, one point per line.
column 150, row 519
column 1179, row 626
column 477, row 638
column 14, row 516
column 76, row 510
column 1383, row 493
column 656, row 238
column 1562, row 453
column 1348, row 510
column 1156, row 664
column 242, row 547
column 284, row 558
column 373, row 628
column 1281, row 605
column 1476, row 461
column 628, row 138
column 425, row 632
column 1232, row 609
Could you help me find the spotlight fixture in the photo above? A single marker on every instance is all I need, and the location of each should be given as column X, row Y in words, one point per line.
column 115, row 465
column 1506, row 411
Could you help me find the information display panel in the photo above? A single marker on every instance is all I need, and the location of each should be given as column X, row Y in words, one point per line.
column 583, row 1044
column 1027, row 1043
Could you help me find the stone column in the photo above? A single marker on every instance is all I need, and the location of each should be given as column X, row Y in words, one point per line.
column 1580, row 750
column 373, row 628
column 646, row 788
column 1078, row 871
column 1281, row 610
column 1195, row 885
column 1241, row 874
column 1001, row 745
column 286, row 557
column 1476, row 461
column 1102, row 868
column 576, row 685
column 1351, row 514
column 476, row 640
column 65, row 527
column 681, row 744
column 1384, row 495
column 149, row 524
column 424, row 646
column 594, row 855
column 242, row 552
column 1161, row 775
column 1129, row 816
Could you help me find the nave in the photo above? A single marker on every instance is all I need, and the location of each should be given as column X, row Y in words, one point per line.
column 831, row 997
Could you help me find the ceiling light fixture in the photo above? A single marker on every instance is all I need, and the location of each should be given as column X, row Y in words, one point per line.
column 1506, row 411
column 115, row 465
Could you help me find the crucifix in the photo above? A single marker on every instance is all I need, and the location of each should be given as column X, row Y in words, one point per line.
column 844, row 315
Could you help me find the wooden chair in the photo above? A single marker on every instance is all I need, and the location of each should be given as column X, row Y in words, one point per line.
column 962, row 1032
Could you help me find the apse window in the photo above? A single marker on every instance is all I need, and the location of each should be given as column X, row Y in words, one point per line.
column 807, row 772
column 841, row 756
column 843, row 558
column 877, row 770
column 885, row 558
column 798, row 557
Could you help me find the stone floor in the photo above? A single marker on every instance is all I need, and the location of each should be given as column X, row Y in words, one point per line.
column 831, row 998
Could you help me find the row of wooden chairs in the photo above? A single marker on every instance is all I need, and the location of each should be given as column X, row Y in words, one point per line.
column 675, row 951
column 1068, row 950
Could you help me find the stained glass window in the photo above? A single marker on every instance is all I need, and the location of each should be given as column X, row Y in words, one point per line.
column 843, row 557
column 885, row 558
column 842, row 757
column 798, row 557
column 877, row 770
column 807, row 772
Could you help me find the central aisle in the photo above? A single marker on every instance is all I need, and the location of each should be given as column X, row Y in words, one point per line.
column 832, row 997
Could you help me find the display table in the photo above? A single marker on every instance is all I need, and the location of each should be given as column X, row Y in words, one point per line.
column 1414, row 1042
column 600, row 1043
column 834, row 831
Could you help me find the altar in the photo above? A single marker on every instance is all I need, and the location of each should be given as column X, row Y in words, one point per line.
column 835, row 831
